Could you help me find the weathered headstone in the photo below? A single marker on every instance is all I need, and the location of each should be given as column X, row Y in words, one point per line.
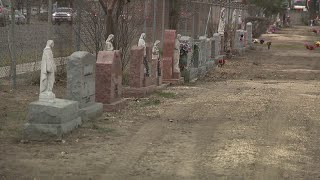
column 222, row 39
column 109, row 81
column 249, row 30
column 202, row 70
column 216, row 44
column 194, row 71
column 237, row 40
column 245, row 39
column 81, row 72
column 210, row 59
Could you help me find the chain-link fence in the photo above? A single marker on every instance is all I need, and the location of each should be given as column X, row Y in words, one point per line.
column 86, row 25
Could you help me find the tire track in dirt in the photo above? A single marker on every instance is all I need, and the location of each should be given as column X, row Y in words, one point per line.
column 131, row 151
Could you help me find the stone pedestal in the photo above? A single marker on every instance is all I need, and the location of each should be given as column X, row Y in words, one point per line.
column 81, row 84
column 51, row 120
column 170, row 77
column 109, row 81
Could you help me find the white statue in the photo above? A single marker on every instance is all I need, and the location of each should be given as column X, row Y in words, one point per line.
column 240, row 23
column 142, row 43
column 156, row 55
column 222, row 21
column 234, row 18
column 156, row 50
column 48, row 69
column 176, row 54
column 109, row 46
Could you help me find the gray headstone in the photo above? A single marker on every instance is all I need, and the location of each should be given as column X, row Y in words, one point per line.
column 81, row 70
column 208, row 50
column 81, row 86
column 216, row 44
column 203, row 51
column 237, row 45
column 249, row 30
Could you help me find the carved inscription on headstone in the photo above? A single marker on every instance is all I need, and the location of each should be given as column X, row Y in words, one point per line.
column 81, row 78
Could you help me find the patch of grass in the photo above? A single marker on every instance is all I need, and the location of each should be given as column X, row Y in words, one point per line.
column 16, row 115
column 288, row 46
column 151, row 102
column 168, row 95
column 101, row 129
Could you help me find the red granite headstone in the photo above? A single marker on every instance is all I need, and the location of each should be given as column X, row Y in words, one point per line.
column 139, row 85
column 109, row 80
column 136, row 68
column 169, row 42
column 245, row 38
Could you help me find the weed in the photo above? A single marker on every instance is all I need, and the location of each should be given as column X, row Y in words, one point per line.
column 151, row 102
column 168, row 95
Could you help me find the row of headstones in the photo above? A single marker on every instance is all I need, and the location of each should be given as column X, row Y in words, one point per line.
column 94, row 86
column 207, row 51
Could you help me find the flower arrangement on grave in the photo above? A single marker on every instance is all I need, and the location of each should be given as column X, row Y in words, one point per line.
column 185, row 48
column 316, row 31
column 309, row 46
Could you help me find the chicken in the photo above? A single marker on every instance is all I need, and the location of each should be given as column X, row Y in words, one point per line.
column 269, row 44
column 221, row 62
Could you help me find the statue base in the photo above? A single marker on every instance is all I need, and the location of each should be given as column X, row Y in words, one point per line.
column 47, row 97
column 51, row 120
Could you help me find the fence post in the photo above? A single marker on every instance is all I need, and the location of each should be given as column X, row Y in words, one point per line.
column 163, row 20
column 13, row 70
column 49, row 19
column 145, row 17
column 78, row 31
column 154, row 20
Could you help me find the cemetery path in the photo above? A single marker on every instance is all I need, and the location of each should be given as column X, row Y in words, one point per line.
column 255, row 118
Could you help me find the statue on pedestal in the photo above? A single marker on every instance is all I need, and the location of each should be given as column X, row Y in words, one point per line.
column 156, row 55
column 47, row 77
column 222, row 22
column 142, row 43
column 109, row 46
column 176, row 54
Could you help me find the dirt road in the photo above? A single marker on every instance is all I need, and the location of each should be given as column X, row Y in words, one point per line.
column 258, row 117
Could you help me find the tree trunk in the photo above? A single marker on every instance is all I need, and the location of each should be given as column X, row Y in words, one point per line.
column 28, row 11
column 174, row 14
